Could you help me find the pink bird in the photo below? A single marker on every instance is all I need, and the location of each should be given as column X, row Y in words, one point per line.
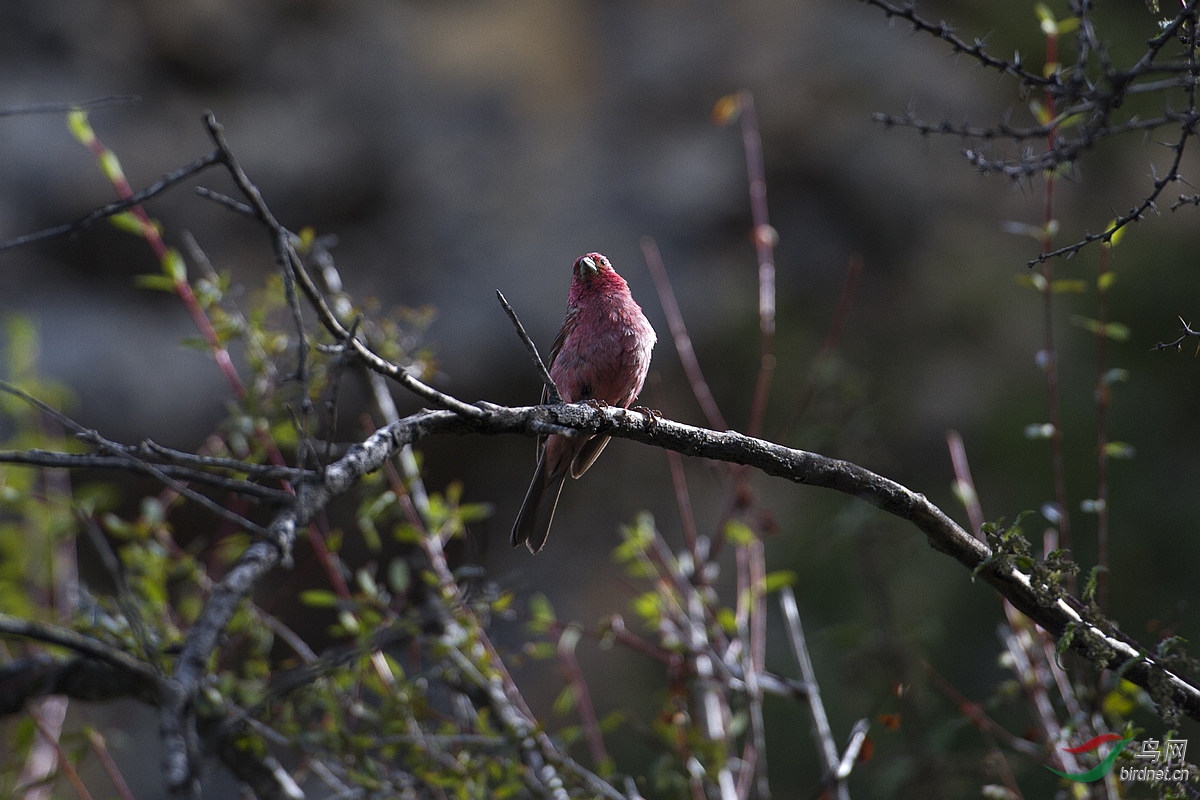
column 602, row 353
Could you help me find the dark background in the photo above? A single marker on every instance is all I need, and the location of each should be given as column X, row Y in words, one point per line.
column 459, row 147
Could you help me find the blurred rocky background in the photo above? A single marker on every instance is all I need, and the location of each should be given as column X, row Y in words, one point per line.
column 458, row 147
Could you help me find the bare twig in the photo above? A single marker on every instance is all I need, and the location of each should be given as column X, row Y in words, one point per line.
column 104, row 212
column 858, row 737
column 1177, row 344
column 964, row 484
column 547, row 381
column 100, row 748
column 285, row 253
column 764, row 238
column 49, row 732
column 826, row 747
column 567, row 641
column 943, row 32
column 93, row 437
column 108, row 101
column 683, row 342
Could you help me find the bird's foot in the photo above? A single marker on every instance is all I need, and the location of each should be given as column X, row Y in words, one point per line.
column 653, row 415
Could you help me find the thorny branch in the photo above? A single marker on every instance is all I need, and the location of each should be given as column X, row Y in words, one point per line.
column 1088, row 96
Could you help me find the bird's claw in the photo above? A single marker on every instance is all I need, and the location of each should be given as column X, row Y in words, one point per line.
column 653, row 415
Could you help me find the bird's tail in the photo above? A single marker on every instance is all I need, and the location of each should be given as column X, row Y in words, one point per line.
column 537, row 512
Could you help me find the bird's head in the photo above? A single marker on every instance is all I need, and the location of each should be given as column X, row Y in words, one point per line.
column 591, row 265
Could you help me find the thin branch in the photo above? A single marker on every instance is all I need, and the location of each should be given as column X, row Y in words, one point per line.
column 50, row 734
column 567, row 641
column 111, row 209
column 285, row 253
column 100, row 748
column 826, row 747
column 108, row 101
column 125, row 598
column 964, row 484
column 136, row 669
column 858, row 737
column 547, row 381
column 679, row 333
column 1178, row 343
column 943, row 32
column 92, row 461
column 93, row 437
column 764, row 238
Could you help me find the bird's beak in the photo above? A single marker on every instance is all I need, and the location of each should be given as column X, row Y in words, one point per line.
column 587, row 267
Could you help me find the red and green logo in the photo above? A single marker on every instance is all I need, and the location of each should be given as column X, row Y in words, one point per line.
column 1104, row 767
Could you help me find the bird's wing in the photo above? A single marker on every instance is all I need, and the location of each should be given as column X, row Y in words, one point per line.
column 588, row 453
column 568, row 324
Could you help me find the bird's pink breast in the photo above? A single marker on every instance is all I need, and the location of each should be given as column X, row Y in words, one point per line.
column 607, row 353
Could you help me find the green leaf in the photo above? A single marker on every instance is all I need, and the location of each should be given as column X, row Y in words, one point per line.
column 775, row 581
column 173, row 266
column 319, row 598
column 964, row 493
column 1116, row 233
column 399, row 576
column 22, row 347
column 1040, row 112
column 128, row 222
column 77, row 122
column 1116, row 331
column 1119, row 450
column 406, row 533
column 366, row 582
column 648, row 606
column 1034, row 280
column 110, row 165
column 1071, row 121
column 158, row 283
column 539, row 650
column 1121, row 700
column 502, row 603
column 1089, row 588
column 1045, row 18
column 565, row 702
column 1073, row 285
column 636, row 538
column 738, row 533
column 1106, row 280
column 541, row 613
column 1066, row 26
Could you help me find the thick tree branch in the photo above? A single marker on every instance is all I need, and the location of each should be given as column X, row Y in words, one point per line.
column 1057, row 614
